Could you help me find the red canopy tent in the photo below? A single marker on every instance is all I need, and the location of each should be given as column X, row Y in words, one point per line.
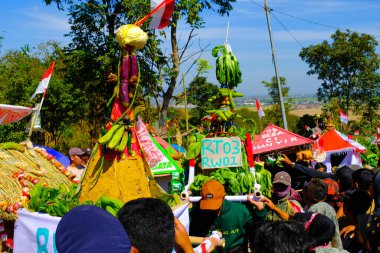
column 276, row 138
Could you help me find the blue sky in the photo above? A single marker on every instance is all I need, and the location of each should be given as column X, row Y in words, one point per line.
column 310, row 22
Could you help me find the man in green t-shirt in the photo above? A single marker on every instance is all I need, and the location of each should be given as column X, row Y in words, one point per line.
column 233, row 220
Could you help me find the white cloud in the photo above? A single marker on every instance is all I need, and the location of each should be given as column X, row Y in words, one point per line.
column 39, row 19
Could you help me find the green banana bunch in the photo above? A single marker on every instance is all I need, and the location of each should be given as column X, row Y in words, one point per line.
column 108, row 136
column 227, row 67
column 116, row 138
column 123, row 143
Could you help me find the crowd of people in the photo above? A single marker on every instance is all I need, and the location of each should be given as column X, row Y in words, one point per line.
column 332, row 212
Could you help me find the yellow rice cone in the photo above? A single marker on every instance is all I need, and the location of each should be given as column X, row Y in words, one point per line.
column 123, row 179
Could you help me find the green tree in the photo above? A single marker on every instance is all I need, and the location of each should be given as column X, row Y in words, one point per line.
column 347, row 68
column 249, row 120
column 305, row 120
column 274, row 114
column 94, row 50
column 20, row 73
column 199, row 91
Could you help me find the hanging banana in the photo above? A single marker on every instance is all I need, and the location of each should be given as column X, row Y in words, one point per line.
column 227, row 67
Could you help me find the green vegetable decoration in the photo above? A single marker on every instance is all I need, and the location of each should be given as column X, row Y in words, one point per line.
column 236, row 183
column 229, row 76
column 225, row 101
column 264, row 178
column 112, row 206
column 55, row 202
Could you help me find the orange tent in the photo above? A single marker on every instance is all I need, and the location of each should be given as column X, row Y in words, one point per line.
column 335, row 144
column 334, row 141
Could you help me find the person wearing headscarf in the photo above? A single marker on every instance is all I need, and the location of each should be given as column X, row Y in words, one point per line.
column 319, row 227
column 314, row 195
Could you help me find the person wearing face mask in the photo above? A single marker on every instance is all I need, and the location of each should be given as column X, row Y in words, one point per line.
column 283, row 196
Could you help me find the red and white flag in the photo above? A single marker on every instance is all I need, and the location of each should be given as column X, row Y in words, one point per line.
column 356, row 132
column 343, row 117
column 308, row 128
column 260, row 110
column 161, row 12
column 42, row 86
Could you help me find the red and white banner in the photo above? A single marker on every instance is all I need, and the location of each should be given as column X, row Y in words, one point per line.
column 260, row 110
column 343, row 117
column 42, row 86
column 13, row 113
column 161, row 12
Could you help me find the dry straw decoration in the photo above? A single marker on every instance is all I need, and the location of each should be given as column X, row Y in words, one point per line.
column 20, row 170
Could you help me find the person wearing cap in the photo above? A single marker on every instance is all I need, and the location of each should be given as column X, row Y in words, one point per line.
column 88, row 228
column 233, row 220
column 76, row 167
column 283, row 196
column 85, row 156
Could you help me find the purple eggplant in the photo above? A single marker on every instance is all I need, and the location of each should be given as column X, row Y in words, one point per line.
column 134, row 69
column 124, row 80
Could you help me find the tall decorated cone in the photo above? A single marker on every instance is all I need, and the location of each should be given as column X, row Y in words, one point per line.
column 116, row 168
column 120, row 165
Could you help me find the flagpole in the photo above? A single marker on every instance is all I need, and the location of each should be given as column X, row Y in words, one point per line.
column 34, row 119
column 43, row 84
column 275, row 67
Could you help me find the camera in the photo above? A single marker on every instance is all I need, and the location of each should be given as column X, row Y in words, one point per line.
column 257, row 195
